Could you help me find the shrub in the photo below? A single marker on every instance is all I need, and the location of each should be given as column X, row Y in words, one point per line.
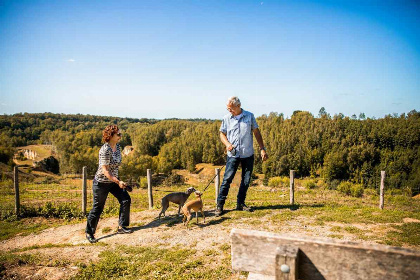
column 344, row 187
column 143, row 182
column 310, row 184
column 356, row 190
column 333, row 184
column 275, row 182
column 173, row 179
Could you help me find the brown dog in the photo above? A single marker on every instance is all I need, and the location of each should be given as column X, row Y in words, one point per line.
column 196, row 205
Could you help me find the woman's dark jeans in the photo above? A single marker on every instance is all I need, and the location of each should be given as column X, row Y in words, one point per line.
column 232, row 165
column 100, row 193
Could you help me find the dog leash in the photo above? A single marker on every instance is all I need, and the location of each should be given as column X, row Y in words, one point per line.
column 213, row 179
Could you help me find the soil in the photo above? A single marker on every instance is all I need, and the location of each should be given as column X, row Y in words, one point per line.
column 148, row 231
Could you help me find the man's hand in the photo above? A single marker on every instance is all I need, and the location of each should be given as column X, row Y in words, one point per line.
column 229, row 147
column 264, row 155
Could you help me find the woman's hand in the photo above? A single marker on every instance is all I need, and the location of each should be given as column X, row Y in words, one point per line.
column 122, row 184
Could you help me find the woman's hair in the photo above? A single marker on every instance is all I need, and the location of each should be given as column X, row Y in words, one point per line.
column 109, row 131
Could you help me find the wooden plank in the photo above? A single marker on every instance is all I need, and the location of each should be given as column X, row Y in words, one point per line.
column 322, row 258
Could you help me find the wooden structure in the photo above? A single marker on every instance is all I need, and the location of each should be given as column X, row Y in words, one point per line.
column 292, row 187
column 84, row 190
column 271, row 256
column 149, row 188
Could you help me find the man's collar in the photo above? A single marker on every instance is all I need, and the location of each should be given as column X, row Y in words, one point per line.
column 242, row 113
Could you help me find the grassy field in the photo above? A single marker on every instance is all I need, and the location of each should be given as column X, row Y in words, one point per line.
column 317, row 212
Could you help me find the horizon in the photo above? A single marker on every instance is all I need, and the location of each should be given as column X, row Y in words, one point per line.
column 169, row 59
column 357, row 116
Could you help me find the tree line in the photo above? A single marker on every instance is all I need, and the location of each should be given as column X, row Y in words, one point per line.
column 334, row 148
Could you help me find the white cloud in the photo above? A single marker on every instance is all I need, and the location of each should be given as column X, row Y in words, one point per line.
column 71, row 60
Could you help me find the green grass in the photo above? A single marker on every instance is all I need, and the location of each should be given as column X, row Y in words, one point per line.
column 154, row 263
column 405, row 234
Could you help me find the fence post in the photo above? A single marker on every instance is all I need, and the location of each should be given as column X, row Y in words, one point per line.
column 84, row 190
column 16, row 184
column 217, row 182
column 149, row 187
column 292, row 187
column 381, row 193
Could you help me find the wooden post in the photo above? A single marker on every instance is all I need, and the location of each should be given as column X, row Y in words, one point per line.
column 149, row 187
column 287, row 263
column 16, row 184
column 84, row 190
column 381, row 194
column 292, row 187
column 217, row 182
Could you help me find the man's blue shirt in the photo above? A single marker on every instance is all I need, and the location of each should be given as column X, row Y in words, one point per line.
column 239, row 133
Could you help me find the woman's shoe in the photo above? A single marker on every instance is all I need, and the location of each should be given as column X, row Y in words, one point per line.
column 124, row 230
column 91, row 238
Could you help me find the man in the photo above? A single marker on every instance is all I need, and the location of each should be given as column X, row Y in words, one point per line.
column 236, row 133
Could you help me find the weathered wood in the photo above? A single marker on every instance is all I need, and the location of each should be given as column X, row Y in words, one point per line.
column 84, row 190
column 286, row 257
column 292, row 186
column 322, row 258
column 217, row 182
column 381, row 194
column 16, row 185
column 149, row 187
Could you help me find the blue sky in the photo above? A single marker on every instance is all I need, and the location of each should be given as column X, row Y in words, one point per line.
column 183, row 59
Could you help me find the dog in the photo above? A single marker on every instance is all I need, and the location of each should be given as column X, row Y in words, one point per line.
column 196, row 205
column 178, row 198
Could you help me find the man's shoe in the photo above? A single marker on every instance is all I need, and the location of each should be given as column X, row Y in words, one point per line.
column 243, row 207
column 91, row 238
column 124, row 230
column 219, row 211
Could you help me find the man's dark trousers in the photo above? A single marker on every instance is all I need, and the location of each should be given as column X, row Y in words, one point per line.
column 100, row 193
column 232, row 165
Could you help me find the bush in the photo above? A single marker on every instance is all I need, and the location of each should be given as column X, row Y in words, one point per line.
column 143, row 182
column 310, row 184
column 356, row 190
column 275, row 182
column 173, row 179
column 344, row 187
column 333, row 184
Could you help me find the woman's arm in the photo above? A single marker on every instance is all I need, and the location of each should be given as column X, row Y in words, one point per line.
column 112, row 178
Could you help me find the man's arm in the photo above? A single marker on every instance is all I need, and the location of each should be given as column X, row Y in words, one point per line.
column 225, row 141
column 260, row 141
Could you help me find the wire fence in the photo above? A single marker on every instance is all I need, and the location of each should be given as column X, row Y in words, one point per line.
column 64, row 193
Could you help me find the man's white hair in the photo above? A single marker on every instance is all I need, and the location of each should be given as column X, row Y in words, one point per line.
column 234, row 100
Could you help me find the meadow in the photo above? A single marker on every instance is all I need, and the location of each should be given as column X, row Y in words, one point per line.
column 318, row 211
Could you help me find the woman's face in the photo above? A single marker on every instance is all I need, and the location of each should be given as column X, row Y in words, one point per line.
column 117, row 136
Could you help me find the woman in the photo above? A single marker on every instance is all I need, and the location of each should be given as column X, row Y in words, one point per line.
column 106, row 181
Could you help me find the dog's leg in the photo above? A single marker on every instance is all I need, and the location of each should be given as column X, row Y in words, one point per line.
column 196, row 215
column 179, row 208
column 188, row 219
column 165, row 205
column 204, row 217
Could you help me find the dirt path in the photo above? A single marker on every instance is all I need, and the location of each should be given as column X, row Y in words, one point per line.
column 69, row 245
